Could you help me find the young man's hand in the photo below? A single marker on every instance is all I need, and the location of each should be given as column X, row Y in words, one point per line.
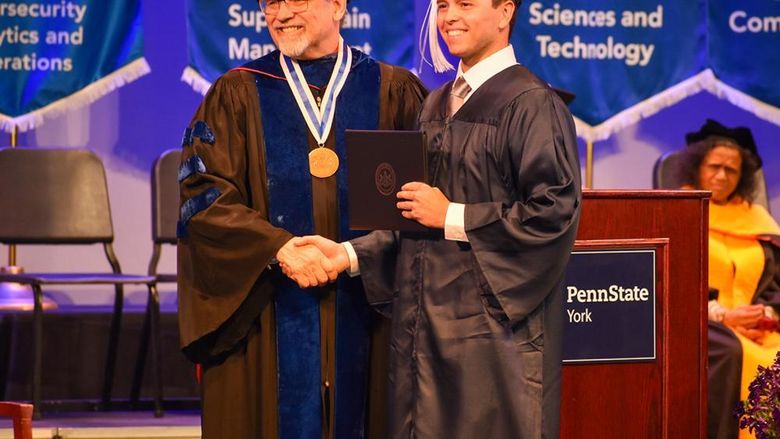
column 422, row 203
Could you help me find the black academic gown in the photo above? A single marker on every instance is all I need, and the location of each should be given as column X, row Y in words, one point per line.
column 476, row 338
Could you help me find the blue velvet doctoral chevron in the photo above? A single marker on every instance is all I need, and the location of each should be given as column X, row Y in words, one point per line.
column 198, row 204
column 290, row 207
column 201, row 131
column 192, row 165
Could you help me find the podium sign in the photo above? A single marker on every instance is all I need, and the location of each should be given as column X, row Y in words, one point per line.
column 609, row 303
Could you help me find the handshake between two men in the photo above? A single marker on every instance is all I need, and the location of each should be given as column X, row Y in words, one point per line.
column 313, row 261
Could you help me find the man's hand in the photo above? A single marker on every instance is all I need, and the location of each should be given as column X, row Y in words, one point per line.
column 334, row 251
column 305, row 264
column 423, row 203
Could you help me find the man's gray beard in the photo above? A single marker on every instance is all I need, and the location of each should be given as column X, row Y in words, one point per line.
column 294, row 49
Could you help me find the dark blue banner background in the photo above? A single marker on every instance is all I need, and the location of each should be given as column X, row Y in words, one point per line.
column 744, row 46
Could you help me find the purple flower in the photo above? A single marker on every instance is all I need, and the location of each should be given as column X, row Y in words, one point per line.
column 760, row 413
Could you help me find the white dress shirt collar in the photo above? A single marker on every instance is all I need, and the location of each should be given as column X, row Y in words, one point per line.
column 480, row 72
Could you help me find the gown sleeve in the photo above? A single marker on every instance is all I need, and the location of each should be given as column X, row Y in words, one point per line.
column 402, row 97
column 522, row 246
column 225, row 241
column 768, row 289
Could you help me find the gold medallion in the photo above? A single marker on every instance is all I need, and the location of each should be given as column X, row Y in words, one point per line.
column 323, row 162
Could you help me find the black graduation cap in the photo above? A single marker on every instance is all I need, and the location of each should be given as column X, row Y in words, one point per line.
column 740, row 135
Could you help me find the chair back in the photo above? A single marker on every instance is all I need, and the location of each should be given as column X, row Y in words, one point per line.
column 165, row 197
column 53, row 196
column 665, row 177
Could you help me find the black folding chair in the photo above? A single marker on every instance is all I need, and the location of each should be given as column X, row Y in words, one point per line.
column 165, row 214
column 60, row 196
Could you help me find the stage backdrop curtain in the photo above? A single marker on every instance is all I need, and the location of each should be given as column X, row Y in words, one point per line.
column 55, row 56
column 223, row 35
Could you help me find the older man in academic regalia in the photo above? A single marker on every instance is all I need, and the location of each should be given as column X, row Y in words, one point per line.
column 263, row 161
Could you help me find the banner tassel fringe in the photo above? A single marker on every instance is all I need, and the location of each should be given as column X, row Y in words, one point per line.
column 85, row 96
column 704, row 81
column 198, row 83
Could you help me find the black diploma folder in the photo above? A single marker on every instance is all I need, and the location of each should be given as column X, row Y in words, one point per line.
column 378, row 164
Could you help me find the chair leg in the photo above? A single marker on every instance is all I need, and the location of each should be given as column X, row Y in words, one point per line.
column 113, row 343
column 140, row 358
column 37, row 350
column 154, row 305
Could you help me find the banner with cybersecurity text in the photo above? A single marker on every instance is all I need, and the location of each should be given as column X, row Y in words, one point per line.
column 227, row 34
column 57, row 55
column 623, row 60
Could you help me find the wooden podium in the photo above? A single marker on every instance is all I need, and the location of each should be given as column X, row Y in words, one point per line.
column 665, row 397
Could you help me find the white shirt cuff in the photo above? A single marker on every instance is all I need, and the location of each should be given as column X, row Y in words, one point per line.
column 454, row 223
column 354, row 266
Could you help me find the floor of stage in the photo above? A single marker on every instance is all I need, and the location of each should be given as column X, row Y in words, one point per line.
column 112, row 425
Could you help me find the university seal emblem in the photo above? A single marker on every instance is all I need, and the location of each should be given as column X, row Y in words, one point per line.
column 385, row 179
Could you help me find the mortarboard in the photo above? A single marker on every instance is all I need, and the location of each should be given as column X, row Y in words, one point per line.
column 740, row 135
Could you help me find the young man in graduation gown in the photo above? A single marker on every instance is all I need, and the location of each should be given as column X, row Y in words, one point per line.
column 476, row 303
column 263, row 161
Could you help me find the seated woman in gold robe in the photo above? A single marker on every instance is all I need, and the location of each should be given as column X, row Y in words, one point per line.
column 744, row 260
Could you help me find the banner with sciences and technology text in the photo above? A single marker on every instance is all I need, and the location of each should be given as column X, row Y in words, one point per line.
column 623, row 60
column 57, row 55
column 226, row 34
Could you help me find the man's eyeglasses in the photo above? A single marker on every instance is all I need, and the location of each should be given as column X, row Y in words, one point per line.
column 271, row 7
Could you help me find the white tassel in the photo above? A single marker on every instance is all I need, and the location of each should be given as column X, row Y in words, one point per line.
column 429, row 36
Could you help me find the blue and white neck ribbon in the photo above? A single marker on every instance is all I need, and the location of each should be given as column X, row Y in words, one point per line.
column 318, row 118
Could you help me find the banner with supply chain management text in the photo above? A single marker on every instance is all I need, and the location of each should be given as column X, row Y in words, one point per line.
column 56, row 55
column 227, row 34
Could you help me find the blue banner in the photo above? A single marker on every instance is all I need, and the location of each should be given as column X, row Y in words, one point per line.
column 744, row 49
column 55, row 55
column 624, row 61
column 609, row 306
column 223, row 35
column 615, row 56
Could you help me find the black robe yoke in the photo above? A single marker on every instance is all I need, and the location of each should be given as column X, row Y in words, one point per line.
column 476, row 338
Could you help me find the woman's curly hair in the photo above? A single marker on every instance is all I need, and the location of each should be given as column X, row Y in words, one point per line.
column 690, row 160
